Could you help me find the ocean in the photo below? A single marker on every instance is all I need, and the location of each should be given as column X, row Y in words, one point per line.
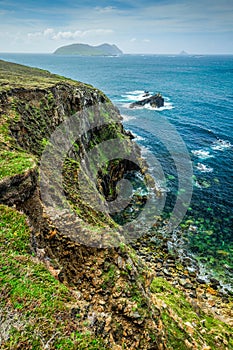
column 197, row 117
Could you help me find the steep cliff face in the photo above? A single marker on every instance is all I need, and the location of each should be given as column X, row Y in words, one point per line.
column 110, row 282
column 80, row 244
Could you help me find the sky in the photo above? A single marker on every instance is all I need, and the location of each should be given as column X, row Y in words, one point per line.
column 135, row 26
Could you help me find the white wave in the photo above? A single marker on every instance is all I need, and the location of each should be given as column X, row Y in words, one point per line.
column 136, row 95
column 126, row 118
column 202, row 154
column 136, row 92
column 197, row 184
column 138, row 137
column 145, row 151
column 221, row 145
column 167, row 106
column 203, row 168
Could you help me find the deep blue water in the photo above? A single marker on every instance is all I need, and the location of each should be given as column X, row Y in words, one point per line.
column 198, row 92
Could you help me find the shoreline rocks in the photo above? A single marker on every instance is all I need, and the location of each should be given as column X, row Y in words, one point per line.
column 183, row 274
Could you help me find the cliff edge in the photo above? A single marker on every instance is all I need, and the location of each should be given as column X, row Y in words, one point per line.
column 69, row 279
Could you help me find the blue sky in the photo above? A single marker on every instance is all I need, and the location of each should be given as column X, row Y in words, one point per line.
column 136, row 26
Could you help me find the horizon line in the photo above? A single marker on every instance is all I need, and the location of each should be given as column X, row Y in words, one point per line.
column 123, row 54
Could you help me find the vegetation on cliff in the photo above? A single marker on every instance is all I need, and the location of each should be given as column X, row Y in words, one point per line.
column 36, row 311
column 58, row 292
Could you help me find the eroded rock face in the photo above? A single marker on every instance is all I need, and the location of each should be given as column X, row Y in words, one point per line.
column 18, row 188
column 112, row 286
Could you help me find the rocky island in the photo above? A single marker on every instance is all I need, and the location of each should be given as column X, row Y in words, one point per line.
column 89, row 50
column 59, row 292
column 155, row 101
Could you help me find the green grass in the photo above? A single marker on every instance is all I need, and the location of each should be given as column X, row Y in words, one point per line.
column 16, row 75
column 178, row 313
column 13, row 162
column 34, row 306
column 5, row 137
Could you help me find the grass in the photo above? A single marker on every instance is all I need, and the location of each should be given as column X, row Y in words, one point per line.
column 16, row 75
column 34, row 306
column 183, row 323
column 5, row 137
column 13, row 163
column 13, row 75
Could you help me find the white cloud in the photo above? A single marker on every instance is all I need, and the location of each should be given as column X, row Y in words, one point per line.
column 80, row 34
column 146, row 40
column 106, row 9
column 133, row 40
column 67, row 35
column 48, row 32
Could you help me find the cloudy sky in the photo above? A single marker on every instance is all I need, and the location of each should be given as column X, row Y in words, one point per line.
column 136, row 26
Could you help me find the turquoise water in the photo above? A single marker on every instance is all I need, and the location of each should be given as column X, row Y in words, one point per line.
column 198, row 93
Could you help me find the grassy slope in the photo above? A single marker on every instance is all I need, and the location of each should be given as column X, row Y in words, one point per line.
column 35, row 309
column 14, row 75
column 12, row 163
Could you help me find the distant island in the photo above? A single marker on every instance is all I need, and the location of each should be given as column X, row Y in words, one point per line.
column 183, row 53
column 88, row 50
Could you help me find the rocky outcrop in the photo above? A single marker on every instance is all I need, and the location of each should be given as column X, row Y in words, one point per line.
column 16, row 189
column 155, row 101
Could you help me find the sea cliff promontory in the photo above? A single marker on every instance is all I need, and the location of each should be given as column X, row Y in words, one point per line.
column 60, row 288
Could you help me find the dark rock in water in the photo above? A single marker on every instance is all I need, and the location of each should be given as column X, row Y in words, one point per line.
column 129, row 134
column 146, row 94
column 154, row 101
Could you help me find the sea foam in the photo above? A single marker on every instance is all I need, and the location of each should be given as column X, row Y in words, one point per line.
column 203, row 168
column 202, row 154
column 221, row 145
column 127, row 118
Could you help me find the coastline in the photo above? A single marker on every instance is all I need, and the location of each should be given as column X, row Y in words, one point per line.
column 117, row 297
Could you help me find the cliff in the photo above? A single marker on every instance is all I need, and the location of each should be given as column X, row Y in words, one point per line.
column 68, row 277
column 88, row 50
